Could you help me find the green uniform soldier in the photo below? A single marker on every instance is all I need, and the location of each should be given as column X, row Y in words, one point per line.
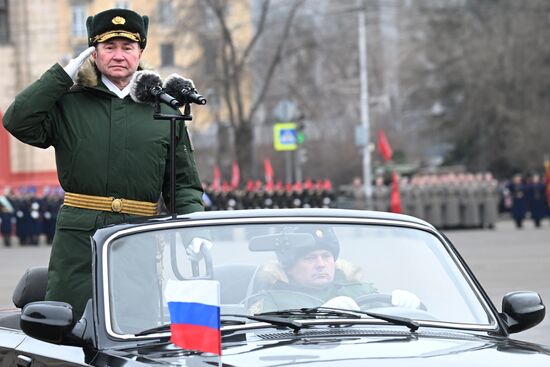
column 112, row 157
column 310, row 275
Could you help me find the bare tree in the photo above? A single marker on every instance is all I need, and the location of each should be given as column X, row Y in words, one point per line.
column 229, row 44
column 480, row 69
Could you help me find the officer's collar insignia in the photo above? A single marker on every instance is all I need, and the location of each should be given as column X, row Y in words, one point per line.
column 119, row 20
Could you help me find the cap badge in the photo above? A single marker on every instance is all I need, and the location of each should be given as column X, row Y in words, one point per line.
column 118, row 20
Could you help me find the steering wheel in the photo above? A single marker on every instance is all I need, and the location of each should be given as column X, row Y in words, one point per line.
column 376, row 300
column 302, row 299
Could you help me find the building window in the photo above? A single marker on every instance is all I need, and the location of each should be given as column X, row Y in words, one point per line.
column 167, row 54
column 4, row 26
column 166, row 12
column 79, row 20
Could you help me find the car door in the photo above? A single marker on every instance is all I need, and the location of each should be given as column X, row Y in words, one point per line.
column 9, row 340
column 33, row 352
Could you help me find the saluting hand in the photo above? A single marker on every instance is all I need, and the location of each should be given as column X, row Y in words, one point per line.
column 74, row 64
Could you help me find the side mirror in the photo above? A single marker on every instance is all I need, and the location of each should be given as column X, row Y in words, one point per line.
column 49, row 321
column 522, row 310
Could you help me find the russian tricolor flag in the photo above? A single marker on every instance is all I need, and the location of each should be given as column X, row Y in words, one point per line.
column 195, row 314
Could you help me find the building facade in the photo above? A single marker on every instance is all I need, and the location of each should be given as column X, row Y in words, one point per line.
column 36, row 34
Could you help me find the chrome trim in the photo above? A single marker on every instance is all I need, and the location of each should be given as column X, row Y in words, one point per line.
column 493, row 325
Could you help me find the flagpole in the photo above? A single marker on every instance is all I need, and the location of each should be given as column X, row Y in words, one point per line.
column 367, row 180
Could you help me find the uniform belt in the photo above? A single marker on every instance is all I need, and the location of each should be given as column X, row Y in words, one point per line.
column 110, row 204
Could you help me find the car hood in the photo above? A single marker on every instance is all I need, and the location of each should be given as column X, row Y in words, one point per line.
column 380, row 348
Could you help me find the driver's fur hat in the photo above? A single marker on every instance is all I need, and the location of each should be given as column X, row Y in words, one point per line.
column 325, row 239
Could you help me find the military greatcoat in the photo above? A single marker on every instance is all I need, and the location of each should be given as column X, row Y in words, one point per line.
column 105, row 146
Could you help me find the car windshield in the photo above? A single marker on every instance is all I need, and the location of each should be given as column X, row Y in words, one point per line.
column 264, row 268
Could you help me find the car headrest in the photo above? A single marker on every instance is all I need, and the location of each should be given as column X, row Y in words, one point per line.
column 31, row 287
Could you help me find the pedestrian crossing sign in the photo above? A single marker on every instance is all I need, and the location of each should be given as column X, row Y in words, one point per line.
column 284, row 136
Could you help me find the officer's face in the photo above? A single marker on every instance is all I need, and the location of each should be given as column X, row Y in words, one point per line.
column 313, row 270
column 118, row 59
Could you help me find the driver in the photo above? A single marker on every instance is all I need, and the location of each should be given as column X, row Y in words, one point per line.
column 311, row 275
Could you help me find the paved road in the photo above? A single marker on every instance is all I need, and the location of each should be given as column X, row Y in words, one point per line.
column 504, row 260
column 507, row 259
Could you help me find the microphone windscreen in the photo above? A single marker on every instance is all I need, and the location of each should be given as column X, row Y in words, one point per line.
column 174, row 84
column 141, row 84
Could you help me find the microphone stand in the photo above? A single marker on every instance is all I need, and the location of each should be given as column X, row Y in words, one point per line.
column 157, row 115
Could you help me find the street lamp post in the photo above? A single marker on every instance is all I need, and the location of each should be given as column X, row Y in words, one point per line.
column 364, row 101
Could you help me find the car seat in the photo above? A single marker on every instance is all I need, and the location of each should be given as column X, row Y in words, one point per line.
column 30, row 288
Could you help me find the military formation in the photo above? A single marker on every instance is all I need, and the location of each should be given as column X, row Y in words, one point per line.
column 467, row 200
column 29, row 216
column 452, row 200
column 257, row 195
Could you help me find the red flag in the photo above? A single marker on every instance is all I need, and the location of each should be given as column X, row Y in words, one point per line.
column 235, row 175
column 268, row 170
column 216, row 181
column 395, row 198
column 384, row 146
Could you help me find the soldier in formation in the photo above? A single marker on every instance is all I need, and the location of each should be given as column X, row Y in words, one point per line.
column 256, row 195
column 450, row 200
column 29, row 216
column 518, row 193
column 6, row 217
column 536, row 197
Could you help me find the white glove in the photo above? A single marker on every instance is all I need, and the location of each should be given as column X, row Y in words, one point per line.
column 74, row 64
column 194, row 247
column 402, row 298
column 344, row 302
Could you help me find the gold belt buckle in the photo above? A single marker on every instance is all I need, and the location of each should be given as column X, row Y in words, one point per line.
column 116, row 205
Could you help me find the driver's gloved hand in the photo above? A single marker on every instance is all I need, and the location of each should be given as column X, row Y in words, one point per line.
column 342, row 302
column 402, row 298
column 193, row 248
column 74, row 64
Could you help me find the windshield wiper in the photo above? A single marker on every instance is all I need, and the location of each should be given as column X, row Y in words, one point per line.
column 277, row 321
column 314, row 312
column 339, row 312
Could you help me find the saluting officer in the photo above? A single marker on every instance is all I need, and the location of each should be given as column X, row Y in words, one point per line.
column 111, row 155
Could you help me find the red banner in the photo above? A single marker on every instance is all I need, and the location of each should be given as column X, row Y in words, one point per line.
column 395, row 198
column 235, row 175
column 217, row 177
column 384, row 146
column 268, row 171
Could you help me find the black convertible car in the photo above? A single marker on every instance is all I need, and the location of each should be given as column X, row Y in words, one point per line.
column 297, row 287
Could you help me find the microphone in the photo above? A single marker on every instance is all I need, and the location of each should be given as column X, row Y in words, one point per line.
column 145, row 87
column 183, row 89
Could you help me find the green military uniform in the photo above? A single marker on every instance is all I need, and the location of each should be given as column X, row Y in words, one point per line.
column 283, row 295
column 105, row 146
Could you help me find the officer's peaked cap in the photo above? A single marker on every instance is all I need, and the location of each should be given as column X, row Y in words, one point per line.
column 117, row 23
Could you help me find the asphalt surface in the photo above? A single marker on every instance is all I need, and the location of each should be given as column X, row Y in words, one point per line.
column 504, row 259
